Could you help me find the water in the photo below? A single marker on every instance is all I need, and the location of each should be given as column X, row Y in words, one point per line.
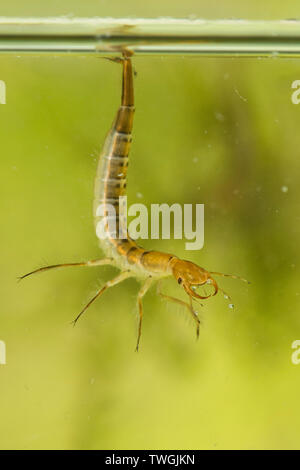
column 85, row 387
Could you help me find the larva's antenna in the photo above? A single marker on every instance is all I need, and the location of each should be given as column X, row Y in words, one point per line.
column 226, row 296
column 230, row 275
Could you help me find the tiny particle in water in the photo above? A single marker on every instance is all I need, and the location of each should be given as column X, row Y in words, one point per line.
column 219, row 117
column 139, row 195
column 231, row 306
column 239, row 95
column 284, row 189
column 226, row 297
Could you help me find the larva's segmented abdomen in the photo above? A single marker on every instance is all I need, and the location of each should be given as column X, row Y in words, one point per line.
column 111, row 177
column 112, row 167
column 110, row 185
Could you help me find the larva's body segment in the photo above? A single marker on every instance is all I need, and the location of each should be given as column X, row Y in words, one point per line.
column 124, row 253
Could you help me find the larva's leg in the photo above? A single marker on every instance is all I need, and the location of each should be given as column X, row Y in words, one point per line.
column 96, row 262
column 141, row 294
column 181, row 302
column 121, row 277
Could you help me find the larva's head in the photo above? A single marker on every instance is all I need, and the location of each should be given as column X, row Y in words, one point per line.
column 191, row 276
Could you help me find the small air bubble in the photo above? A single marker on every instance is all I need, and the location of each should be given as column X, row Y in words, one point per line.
column 231, row 306
column 284, row 189
column 139, row 195
column 226, row 296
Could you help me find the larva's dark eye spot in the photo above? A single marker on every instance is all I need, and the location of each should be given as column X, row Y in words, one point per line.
column 179, row 280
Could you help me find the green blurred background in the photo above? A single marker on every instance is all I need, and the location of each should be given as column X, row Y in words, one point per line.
column 222, row 132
